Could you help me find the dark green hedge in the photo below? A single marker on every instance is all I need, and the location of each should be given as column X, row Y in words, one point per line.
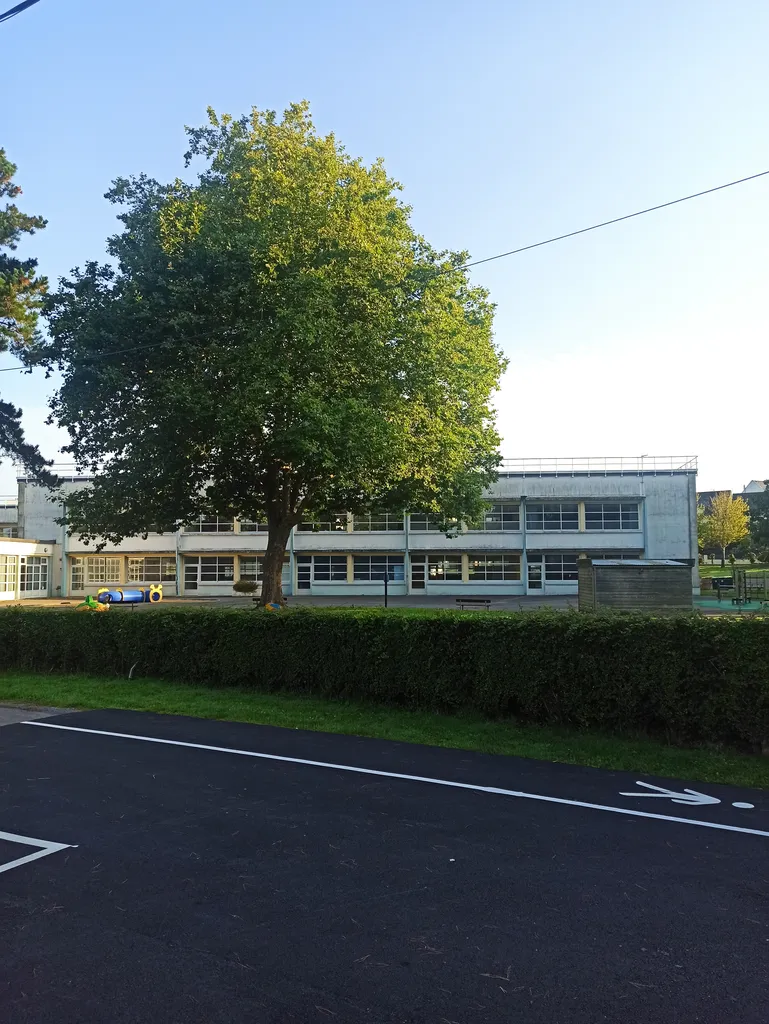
column 687, row 678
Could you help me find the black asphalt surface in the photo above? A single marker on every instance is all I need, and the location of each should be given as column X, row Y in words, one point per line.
column 208, row 887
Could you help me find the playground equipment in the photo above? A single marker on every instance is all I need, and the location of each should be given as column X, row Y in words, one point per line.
column 746, row 587
column 118, row 595
column 91, row 605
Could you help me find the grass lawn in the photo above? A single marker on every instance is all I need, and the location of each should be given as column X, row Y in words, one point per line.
column 716, row 570
column 635, row 754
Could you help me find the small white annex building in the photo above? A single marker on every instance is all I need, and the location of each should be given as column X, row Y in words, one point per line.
column 543, row 514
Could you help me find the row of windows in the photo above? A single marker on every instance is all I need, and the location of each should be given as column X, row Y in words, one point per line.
column 107, row 569
column 205, row 569
column 502, row 516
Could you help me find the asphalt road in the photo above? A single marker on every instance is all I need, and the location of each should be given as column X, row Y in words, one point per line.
column 205, row 885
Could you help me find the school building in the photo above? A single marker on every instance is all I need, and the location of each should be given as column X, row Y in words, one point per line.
column 543, row 514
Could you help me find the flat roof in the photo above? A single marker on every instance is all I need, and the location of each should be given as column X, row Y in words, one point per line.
column 637, row 561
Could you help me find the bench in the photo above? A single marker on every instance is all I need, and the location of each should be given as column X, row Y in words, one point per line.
column 474, row 602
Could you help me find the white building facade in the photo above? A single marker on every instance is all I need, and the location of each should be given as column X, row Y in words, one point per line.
column 543, row 515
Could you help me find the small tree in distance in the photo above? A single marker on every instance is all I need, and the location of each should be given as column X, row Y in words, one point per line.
column 276, row 341
column 725, row 522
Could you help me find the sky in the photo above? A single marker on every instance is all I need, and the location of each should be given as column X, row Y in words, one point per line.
column 507, row 122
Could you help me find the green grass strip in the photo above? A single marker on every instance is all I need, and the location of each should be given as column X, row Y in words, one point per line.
column 465, row 732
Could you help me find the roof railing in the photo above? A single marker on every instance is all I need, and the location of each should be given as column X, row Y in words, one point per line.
column 601, row 464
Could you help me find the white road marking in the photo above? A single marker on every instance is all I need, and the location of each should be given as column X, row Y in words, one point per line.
column 689, row 796
column 744, row 806
column 44, row 849
column 408, row 778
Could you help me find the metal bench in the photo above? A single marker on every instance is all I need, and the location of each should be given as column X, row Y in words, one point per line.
column 474, row 602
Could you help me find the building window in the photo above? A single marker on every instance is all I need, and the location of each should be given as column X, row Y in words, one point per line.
column 378, row 522
column 103, row 569
column 155, row 569
column 600, row 556
column 560, row 568
column 320, row 569
column 611, row 515
column 78, row 573
column 491, row 567
column 335, row 522
column 252, row 568
column 250, row 526
column 552, row 516
column 211, row 524
column 9, row 531
column 424, row 523
column 371, row 568
column 444, row 567
column 33, row 573
column 208, row 569
column 503, row 516
column 7, row 574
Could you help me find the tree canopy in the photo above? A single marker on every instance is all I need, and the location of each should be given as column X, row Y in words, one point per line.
column 21, row 296
column 276, row 340
column 724, row 523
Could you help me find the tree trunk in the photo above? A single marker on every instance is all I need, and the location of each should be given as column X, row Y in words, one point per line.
column 272, row 564
column 723, row 556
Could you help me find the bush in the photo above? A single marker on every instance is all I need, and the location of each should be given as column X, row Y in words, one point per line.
column 685, row 678
column 245, row 586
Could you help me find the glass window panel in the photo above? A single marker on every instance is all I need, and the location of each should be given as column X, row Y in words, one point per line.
column 77, row 573
column 494, row 567
column 420, row 521
column 7, row 573
column 372, row 568
column 444, row 567
column 378, row 522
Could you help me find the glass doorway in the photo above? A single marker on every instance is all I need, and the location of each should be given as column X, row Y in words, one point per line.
column 534, row 574
column 417, row 574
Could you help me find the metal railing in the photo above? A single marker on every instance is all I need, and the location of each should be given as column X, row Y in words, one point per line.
column 601, row 464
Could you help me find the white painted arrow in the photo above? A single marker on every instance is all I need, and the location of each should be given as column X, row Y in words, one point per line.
column 689, row 796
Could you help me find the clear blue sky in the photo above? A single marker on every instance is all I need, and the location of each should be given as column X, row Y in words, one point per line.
column 506, row 122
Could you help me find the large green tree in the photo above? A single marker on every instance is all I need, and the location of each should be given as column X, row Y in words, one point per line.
column 21, row 296
column 725, row 522
column 275, row 341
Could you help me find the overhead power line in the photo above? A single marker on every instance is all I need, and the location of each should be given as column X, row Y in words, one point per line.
column 7, row 15
column 616, row 220
column 487, row 259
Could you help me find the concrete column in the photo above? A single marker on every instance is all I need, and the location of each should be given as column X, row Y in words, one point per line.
column 465, row 567
column 581, row 515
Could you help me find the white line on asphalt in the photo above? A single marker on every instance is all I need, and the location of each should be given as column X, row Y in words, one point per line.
column 44, row 848
column 408, row 778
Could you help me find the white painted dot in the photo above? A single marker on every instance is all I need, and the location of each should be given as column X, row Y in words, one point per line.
column 743, row 806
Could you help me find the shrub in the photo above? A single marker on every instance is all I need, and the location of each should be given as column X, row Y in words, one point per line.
column 687, row 678
column 244, row 587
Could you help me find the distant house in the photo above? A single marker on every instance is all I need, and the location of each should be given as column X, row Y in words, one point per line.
column 754, row 487
column 704, row 498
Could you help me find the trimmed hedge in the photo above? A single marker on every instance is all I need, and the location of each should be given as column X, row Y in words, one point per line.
column 686, row 678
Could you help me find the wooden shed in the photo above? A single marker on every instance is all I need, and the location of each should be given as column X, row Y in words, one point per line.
column 648, row 585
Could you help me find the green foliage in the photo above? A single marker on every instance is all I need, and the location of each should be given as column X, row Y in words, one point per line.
column 21, row 295
column 758, row 504
column 21, row 291
column 244, row 586
column 724, row 523
column 289, row 344
column 686, row 678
